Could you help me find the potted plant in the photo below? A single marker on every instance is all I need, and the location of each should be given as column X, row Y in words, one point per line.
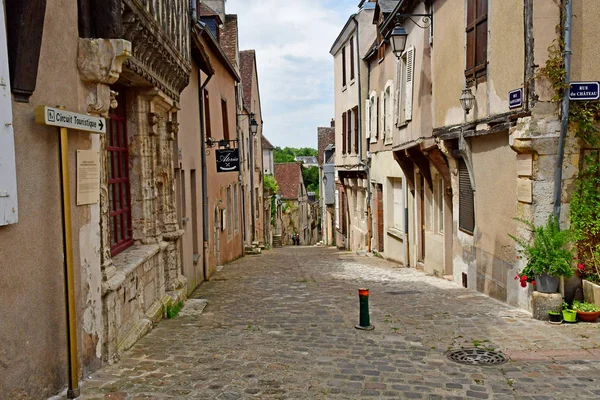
column 569, row 315
column 555, row 317
column 586, row 312
column 548, row 256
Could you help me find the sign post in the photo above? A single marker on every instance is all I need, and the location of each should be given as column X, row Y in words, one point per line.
column 62, row 119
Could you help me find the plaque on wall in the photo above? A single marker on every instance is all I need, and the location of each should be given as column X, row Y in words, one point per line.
column 88, row 177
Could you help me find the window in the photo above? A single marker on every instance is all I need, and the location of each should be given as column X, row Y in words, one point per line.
column 477, row 26
column 119, row 193
column 344, row 133
column 207, row 114
column 229, row 212
column 236, row 219
column 225, row 119
column 466, row 201
column 337, row 209
column 369, row 110
column 381, row 48
column 377, row 119
column 194, row 199
column 398, row 211
column 344, row 66
column 355, row 112
column 351, row 58
column 372, row 123
column 388, row 112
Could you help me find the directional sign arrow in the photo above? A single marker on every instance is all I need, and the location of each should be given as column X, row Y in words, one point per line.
column 45, row 115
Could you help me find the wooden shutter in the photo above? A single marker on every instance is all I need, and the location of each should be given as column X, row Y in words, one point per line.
column 344, row 66
column 355, row 110
column 397, row 98
column 368, row 118
column 349, row 131
column 351, row 58
column 466, row 202
column 377, row 119
column 207, row 115
column 344, row 133
column 410, row 72
column 477, row 26
column 225, row 119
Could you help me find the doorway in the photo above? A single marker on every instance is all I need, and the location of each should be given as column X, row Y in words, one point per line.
column 422, row 217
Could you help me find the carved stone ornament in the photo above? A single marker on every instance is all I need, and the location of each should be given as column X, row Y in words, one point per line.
column 153, row 119
column 100, row 63
column 172, row 129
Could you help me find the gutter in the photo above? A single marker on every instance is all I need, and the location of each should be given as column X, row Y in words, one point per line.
column 204, row 176
column 564, row 111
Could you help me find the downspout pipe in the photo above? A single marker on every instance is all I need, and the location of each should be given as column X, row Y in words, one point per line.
column 204, row 175
column 564, row 111
column 360, row 133
column 193, row 12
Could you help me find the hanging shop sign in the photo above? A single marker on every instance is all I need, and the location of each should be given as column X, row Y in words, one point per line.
column 228, row 160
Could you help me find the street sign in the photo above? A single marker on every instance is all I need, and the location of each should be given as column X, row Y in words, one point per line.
column 515, row 98
column 66, row 119
column 584, row 91
column 228, row 160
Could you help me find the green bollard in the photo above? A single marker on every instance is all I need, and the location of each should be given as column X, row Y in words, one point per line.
column 365, row 319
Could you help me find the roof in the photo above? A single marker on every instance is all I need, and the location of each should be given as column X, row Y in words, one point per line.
column 266, row 144
column 200, row 30
column 325, row 137
column 289, row 177
column 206, row 11
column 228, row 37
column 306, row 159
column 247, row 59
column 384, row 7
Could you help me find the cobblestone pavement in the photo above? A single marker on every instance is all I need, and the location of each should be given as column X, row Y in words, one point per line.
column 281, row 326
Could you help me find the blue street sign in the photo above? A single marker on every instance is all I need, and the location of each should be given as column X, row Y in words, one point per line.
column 584, row 91
column 515, row 98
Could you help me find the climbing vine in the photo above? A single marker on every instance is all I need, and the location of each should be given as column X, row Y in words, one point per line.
column 584, row 118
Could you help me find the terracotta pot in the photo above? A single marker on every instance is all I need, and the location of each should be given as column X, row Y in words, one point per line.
column 588, row 316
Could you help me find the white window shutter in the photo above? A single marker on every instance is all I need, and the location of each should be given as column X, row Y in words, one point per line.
column 8, row 172
column 382, row 113
column 397, row 103
column 410, row 62
column 391, row 109
column 368, row 118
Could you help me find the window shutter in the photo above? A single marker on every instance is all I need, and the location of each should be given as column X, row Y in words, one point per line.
column 398, row 84
column 368, row 118
column 390, row 116
column 410, row 62
column 466, row 199
column 344, row 133
column 382, row 114
column 355, row 111
column 349, row 131
column 377, row 119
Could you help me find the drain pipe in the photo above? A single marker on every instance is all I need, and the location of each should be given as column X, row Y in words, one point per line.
column 564, row 111
column 204, row 175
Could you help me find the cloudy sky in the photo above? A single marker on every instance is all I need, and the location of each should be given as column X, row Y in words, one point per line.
column 292, row 39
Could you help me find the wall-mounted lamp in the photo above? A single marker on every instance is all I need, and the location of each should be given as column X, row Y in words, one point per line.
column 253, row 123
column 398, row 35
column 467, row 100
column 222, row 143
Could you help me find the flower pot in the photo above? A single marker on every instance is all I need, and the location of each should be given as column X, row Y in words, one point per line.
column 546, row 284
column 569, row 316
column 554, row 317
column 588, row 316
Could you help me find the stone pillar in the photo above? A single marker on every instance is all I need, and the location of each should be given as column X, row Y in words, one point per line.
column 100, row 63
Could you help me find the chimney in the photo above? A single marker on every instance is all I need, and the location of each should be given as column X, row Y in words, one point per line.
column 333, row 122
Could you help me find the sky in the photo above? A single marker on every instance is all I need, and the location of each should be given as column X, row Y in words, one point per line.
column 292, row 39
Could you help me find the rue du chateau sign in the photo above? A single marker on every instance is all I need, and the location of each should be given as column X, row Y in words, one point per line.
column 228, row 160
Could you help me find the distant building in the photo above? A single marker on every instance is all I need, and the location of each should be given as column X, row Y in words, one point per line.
column 268, row 159
column 296, row 214
column 307, row 161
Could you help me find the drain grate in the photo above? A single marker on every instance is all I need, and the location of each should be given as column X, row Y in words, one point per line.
column 477, row 357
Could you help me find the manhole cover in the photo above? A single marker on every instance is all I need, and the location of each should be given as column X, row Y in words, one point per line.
column 477, row 357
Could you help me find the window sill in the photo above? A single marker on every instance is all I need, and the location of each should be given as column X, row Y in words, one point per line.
column 352, row 82
column 344, row 88
column 127, row 262
column 396, row 233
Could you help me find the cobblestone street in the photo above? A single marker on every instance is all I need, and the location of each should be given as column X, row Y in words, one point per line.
column 281, row 325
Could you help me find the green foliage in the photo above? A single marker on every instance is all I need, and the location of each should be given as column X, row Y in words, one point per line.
column 287, row 154
column 270, row 184
column 173, row 309
column 585, row 306
column 548, row 252
column 311, row 179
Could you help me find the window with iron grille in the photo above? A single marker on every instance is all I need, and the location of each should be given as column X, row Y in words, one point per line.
column 119, row 193
column 466, row 200
column 477, row 27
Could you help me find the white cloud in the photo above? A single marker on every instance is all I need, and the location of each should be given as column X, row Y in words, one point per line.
column 292, row 39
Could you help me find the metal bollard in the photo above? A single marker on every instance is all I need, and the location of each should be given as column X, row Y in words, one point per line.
column 364, row 318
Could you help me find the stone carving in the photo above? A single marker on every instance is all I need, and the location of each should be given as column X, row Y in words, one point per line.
column 100, row 63
column 172, row 129
column 160, row 43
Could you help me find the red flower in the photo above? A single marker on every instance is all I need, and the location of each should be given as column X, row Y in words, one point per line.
column 580, row 266
column 523, row 278
column 523, row 284
column 533, row 282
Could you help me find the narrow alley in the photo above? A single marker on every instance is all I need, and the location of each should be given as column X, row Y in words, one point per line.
column 281, row 325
